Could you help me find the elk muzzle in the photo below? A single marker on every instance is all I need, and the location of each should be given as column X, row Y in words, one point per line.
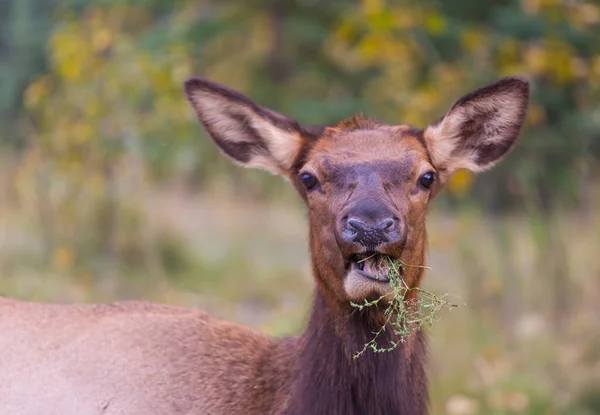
column 370, row 224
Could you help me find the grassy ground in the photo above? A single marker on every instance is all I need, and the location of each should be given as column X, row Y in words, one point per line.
column 526, row 342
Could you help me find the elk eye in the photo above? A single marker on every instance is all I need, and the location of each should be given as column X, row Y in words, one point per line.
column 308, row 180
column 427, row 179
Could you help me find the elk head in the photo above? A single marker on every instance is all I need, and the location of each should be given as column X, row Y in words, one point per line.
column 367, row 185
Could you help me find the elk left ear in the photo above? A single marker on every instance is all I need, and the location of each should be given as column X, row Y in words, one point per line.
column 480, row 128
column 250, row 135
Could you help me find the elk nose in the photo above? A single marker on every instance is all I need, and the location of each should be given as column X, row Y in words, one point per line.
column 370, row 236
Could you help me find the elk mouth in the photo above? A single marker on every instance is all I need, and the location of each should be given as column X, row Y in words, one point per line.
column 373, row 265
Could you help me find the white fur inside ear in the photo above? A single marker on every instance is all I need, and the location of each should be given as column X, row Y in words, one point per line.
column 283, row 144
column 442, row 142
column 478, row 131
column 244, row 134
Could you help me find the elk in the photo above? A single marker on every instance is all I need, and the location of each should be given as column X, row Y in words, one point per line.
column 366, row 185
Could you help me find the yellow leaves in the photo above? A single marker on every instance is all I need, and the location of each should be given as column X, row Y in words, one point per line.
column 460, row 182
column 70, row 69
column 551, row 58
column 372, row 47
column 435, row 23
column 103, row 93
column 161, row 80
column 509, row 53
column 378, row 35
column 91, row 85
column 383, row 21
column 345, row 31
column 473, row 40
column 561, row 67
column 371, row 6
column 78, row 48
column 68, row 53
column 537, row 60
column 555, row 59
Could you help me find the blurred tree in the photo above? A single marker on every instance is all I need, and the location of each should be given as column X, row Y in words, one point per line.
column 88, row 115
column 319, row 62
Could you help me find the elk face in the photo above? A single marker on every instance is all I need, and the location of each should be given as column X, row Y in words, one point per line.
column 367, row 188
column 367, row 185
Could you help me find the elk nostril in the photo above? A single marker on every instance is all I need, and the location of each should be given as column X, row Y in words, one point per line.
column 356, row 224
column 386, row 224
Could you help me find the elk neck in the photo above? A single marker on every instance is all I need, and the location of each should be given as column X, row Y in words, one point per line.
column 328, row 380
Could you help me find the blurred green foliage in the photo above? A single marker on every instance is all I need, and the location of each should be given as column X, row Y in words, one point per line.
column 104, row 77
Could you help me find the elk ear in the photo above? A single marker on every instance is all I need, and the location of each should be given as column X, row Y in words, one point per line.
column 480, row 128
column 250, row 135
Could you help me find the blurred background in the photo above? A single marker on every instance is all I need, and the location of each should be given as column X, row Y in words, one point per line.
column 110, row 190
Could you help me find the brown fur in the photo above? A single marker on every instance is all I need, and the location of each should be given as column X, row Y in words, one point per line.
column 140, row 358
column 358, row 122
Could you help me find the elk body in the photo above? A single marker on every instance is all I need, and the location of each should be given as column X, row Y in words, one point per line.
column 366, row 186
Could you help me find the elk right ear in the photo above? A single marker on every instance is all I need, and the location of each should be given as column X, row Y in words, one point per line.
column 250, row 135
column 480, row 128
